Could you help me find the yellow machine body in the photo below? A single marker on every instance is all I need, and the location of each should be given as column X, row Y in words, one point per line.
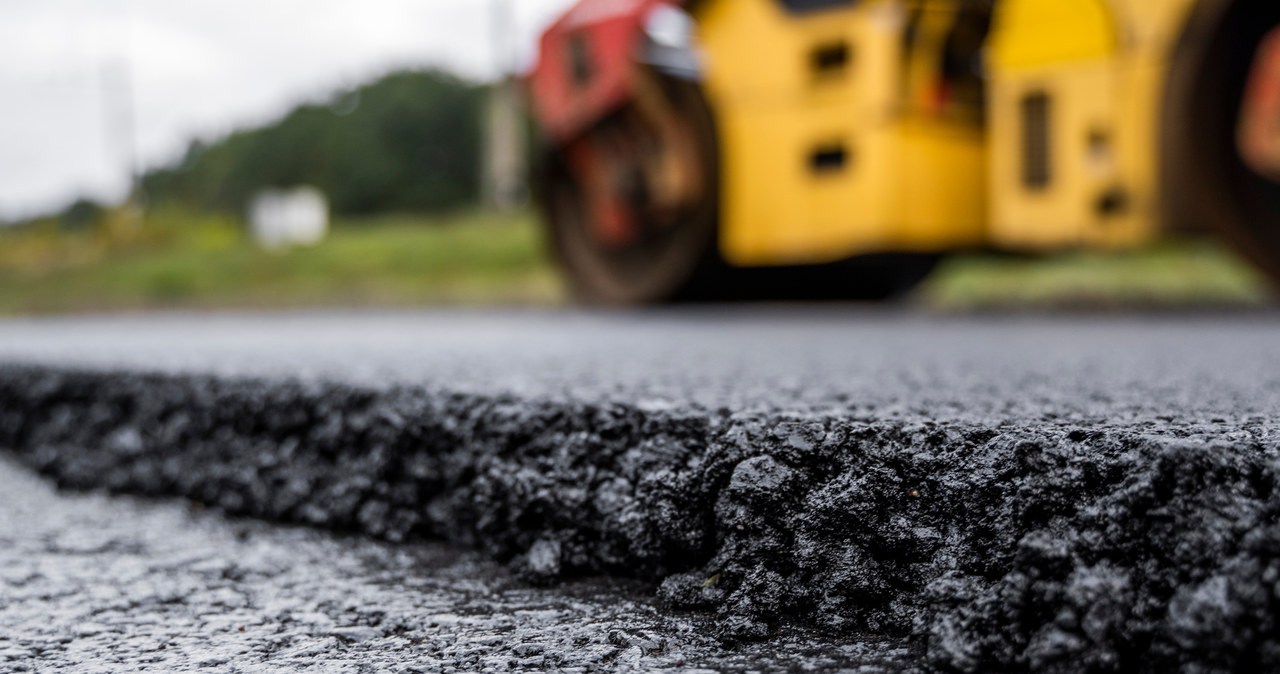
column 836, row 139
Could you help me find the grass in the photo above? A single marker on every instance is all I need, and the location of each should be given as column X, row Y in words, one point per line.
column 177, row 260
column 1174, row 274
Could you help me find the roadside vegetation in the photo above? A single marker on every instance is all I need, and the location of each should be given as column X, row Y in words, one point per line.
column 176, row 260
column 1179, row 274
column 409, row 142
column 172, row 258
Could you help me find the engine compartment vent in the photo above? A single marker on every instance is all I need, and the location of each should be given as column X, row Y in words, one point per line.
column 1036, row 138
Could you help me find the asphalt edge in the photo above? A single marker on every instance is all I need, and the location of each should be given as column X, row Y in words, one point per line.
column 1042, row 546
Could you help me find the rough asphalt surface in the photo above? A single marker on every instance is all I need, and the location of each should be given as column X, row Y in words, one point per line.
column 937, row 493
column 107, row 584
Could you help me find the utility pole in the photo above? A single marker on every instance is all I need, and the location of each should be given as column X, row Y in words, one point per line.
column 503, row 180
column 120, row 124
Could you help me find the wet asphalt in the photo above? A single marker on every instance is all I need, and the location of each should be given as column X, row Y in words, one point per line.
column 105, row 584
column 770, row 487
column 857, row 363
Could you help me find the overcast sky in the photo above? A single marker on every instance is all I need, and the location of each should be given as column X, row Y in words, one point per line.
column 200, row 68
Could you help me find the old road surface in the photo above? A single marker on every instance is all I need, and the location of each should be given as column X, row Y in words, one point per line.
column 770, row 489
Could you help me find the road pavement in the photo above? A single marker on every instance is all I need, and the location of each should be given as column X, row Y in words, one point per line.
column 949, row 493
column 103, row 584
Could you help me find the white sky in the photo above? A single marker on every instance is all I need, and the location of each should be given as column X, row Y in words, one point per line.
column 201, row 68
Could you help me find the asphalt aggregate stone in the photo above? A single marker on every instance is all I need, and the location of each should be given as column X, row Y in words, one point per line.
column 92, row 583
column 1051, row 495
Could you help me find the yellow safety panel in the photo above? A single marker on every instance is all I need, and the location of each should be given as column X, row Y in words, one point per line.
column 1035, row 32
column 822, row 161
column 760, row 54
column 1101, row 69
column 939, row 198
column 830, row 147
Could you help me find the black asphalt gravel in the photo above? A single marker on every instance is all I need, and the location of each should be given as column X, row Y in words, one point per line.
column 956, row 494
column 102, row 584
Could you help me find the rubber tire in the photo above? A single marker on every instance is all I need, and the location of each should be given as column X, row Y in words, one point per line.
column 1205, row 179
column 684, row 260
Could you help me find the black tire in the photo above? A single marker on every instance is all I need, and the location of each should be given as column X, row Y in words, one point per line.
column 1205, row 179
column 683, row 263
column 667, row 264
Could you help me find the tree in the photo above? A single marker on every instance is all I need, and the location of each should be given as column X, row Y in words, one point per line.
column 411, row 141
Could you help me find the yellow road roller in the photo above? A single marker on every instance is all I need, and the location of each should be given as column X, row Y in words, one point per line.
column 714, row 149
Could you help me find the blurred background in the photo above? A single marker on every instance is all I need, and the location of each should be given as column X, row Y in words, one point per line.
column 343, row 153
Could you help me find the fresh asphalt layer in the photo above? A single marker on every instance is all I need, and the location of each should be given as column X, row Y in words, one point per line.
column 781, row 487
column 103, row 584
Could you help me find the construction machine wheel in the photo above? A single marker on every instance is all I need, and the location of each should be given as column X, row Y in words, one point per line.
column 632, row 206
column 624, row 236
column 1222, row 127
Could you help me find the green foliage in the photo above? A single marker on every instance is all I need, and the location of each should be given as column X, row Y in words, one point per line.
column 179, row 259
column 1171, row 274
column 82, row 214
column 409, row 142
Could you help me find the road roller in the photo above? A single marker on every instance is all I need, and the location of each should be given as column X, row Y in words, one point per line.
column 721, row 149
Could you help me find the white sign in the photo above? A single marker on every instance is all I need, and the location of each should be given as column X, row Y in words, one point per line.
column 293, row 217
